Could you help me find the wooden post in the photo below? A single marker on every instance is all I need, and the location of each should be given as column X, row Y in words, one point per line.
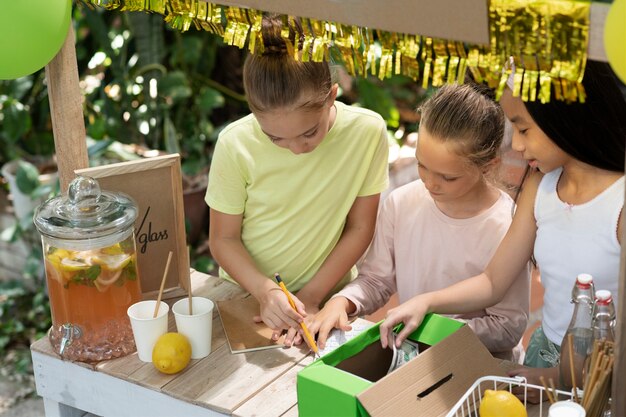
column 66, row 110
column 618, row 406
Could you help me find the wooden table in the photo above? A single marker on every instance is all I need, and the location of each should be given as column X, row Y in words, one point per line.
column 260, row 383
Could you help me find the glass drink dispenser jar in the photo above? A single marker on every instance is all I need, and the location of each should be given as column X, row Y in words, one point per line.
column 91, row 270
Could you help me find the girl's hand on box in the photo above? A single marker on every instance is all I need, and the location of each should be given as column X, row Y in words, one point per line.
column 333, row 315
column 411, row 313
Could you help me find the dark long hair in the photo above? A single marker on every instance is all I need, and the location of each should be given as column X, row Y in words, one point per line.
column 593, row 132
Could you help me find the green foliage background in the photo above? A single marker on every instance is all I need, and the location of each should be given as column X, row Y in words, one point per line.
column 145, row 87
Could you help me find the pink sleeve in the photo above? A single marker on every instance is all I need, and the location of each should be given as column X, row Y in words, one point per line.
column 502, row 325
column 375, row 283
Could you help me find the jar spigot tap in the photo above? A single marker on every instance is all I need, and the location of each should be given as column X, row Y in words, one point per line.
column 70, row 332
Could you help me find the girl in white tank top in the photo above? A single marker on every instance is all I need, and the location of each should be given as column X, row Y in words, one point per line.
column 580, row 147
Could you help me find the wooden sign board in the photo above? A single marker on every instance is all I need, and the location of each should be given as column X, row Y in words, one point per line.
column 156, row 186
column 461, row 20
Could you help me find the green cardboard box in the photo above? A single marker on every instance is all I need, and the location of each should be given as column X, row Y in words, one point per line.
column 352, row 380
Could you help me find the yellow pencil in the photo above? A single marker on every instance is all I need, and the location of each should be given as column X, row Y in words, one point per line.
column 308, row 336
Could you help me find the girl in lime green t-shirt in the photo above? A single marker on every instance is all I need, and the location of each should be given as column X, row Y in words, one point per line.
column 294, row 187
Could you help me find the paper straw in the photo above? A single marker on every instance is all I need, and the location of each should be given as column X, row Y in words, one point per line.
column 158, row 303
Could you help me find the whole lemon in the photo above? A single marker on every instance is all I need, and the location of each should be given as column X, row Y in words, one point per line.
column 171, row 353
column 500, row 404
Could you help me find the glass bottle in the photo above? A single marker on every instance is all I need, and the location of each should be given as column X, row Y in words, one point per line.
column 603, row 326
column 580, row 332
column 604, row 316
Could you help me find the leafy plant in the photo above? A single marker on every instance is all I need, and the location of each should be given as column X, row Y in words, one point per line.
column 27, row 179
column 24, row 303
column 24, row 318
column 204, row 264
column 25, row 119
column 163, row 84
column 28, row 182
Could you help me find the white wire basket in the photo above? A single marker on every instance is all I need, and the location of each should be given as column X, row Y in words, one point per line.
column 468, row 405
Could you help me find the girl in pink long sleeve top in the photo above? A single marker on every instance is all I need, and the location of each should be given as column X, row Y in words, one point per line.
column 435, row 231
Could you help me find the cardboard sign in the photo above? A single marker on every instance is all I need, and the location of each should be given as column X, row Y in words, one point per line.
column 156, row 186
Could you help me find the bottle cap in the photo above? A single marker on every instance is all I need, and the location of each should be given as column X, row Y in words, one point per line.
column 603, row 296
column 584, row 280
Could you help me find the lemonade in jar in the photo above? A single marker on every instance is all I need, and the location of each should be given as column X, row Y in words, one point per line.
column 91, row 270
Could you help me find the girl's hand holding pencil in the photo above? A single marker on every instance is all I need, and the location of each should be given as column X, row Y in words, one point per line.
column 284, row 312
column 294, row 336
column 290, row 298
column 276, row 311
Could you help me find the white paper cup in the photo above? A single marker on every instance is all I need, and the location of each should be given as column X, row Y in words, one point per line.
column 197, row 327
column 146, row 329
column 566, row 409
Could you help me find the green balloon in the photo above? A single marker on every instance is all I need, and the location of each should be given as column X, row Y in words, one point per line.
column 31, row 34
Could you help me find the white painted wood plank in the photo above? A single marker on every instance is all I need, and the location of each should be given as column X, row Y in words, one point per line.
column 55, row 409
column 103, row 395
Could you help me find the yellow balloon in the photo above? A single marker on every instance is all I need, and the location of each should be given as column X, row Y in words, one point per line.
column 615, row 38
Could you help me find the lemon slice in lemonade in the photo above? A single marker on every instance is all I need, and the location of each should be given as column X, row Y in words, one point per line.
column 73, row 264
column 56, row 256
column 112, row 262
column 113, row 250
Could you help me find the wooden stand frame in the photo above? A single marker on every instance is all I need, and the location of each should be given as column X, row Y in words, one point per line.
column 69, row 138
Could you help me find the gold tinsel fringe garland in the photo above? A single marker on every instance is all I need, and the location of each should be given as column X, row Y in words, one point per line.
column 547, row 39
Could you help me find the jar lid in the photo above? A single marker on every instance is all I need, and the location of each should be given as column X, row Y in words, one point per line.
column 85, row 213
